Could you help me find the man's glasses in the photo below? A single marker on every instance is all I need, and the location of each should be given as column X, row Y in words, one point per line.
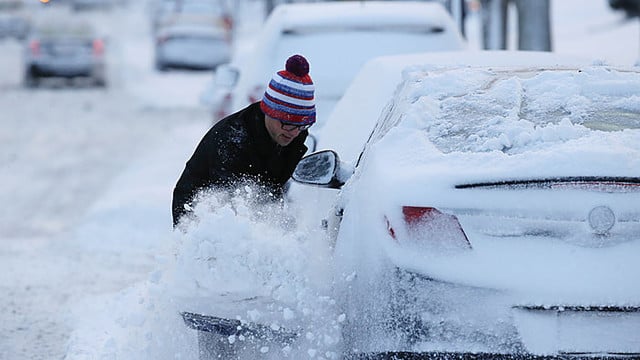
column 290, row 127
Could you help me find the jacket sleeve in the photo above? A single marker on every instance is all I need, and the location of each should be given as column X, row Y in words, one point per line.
column 214, row 164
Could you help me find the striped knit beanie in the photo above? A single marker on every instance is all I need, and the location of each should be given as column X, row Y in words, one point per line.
column 289, row 97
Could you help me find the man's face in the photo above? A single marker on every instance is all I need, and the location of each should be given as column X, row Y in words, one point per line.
column 281, row 136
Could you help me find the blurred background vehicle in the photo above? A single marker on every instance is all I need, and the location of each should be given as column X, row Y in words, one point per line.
column 159, row 10
column 336, row 38
column 79, row 5
column 68, row 50
column 15, row 21
column 191, row 46
column 170, row 12
column 191, row 34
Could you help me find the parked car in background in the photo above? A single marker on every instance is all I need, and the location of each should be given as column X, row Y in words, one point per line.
column 15, row 20
column 505, row 220
column 64, row 50
column 337, row 38
column 158, row 10
column 212, row 12
column 191, row 46
column 79, row 5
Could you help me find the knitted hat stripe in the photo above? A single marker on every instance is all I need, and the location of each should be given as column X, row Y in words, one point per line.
column 293, row 85
column 308, row 111
column 288, row 118
column 294, row 81
column 289, row 91
column 285, row 97
column 288, row 103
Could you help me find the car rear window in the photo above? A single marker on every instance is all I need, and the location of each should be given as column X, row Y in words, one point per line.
column 467, row 110
column 64, row 30
column 352, row 49
column 347, row 28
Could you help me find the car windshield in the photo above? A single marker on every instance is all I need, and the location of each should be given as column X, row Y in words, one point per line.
column 468, row 110
column 64, row 30
column 200, row 8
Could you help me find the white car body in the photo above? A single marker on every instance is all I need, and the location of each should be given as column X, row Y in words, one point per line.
column 336, row 38
column 496, row 211
column 195, row 46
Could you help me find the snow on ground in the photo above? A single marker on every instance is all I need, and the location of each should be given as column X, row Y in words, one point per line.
column 90, row 267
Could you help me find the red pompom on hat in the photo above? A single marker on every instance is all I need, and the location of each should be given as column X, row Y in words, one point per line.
column 297, row 65
column 289, row 97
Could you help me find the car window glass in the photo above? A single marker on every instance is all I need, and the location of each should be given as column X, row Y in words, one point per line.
column 474, row 112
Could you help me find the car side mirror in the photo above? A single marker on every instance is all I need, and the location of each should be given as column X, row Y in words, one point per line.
column 322, row 168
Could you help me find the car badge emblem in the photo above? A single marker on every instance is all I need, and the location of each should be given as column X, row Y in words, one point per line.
column 601, row 219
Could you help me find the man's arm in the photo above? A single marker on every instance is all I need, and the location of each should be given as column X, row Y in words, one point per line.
column 216, row 163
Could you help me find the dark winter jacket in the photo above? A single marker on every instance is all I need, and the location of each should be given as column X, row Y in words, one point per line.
column 238, row 148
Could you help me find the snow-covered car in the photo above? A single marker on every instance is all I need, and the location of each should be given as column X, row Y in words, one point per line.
column 337, row 38
column 492, row 211
column 349, row 125
column 64, row 49
column 192, row 45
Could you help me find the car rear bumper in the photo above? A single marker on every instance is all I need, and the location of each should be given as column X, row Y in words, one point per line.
column 478, row 356
column 436, row 319
column 569, row 329
column 66, row 69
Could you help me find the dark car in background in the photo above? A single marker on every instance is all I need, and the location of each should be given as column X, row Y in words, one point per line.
column 64, row 50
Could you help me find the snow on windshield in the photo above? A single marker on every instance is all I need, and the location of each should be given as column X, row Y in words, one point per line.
column 485, row 110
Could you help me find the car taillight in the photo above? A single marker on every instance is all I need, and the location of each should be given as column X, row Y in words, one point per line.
column 227, row 22
column 98, row 47
column 34, row 46
column 431, row 228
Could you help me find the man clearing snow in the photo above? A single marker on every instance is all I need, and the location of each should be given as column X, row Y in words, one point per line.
column 261, row 143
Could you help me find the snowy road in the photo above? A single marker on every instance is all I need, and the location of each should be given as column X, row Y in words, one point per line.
column 64, row 150
column 61, row 149
column 86, row 178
